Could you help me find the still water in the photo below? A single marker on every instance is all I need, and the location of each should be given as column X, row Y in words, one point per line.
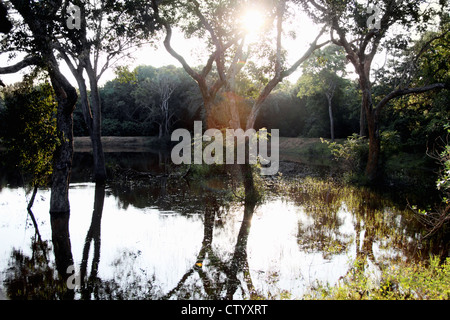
column 179, row 239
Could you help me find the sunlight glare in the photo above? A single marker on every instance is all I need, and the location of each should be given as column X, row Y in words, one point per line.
column 252, row 21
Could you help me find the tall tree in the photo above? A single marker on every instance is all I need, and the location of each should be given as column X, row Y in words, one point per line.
column 32, row 34
column 280, row 69
column 106, row 31
column 363, row 35
column 5, row 24
column 322, row 74
column 227, row 51
column 215, row 20
column 162, row 86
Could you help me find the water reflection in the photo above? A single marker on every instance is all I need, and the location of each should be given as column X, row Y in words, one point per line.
column 173, row 239
column 219, row 279
column 93, row 235
column 62, row 247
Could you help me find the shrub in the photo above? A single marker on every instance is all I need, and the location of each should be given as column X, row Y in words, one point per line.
column 353, row 152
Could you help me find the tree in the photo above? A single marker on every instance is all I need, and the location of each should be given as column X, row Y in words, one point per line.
column 284, row 111
column 420, row 119
column 133, row 101
column 280, row 71
column 216, row 21
column 226, row 41
column 33, row 36
column 162, row 87
column 116, row 26
column 323, row 74
column 362, row 36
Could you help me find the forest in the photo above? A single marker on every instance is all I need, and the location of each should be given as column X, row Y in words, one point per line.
column 365, row 84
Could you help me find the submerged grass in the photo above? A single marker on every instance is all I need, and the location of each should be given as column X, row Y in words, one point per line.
column 418, row 281
column 387, row 279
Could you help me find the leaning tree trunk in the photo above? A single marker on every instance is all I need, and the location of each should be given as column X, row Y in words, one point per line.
column 66, row 97
column 251, row 119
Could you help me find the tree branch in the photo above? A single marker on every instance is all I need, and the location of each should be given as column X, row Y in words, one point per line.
column 428, row 43
column 314, row 46
column 402, row 92
column 175, row 54
column 280, row 12
column 26, row 62
column 217, row 42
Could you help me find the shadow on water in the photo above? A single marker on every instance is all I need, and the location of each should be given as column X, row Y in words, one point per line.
column 327, row 224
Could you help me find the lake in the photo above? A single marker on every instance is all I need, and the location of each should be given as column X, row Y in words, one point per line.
column 174, row 238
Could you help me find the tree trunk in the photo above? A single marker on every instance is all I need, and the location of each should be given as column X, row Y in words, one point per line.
column 235, row 121
column 160, row 135
column 362, row 121
column 93, row 234
column 330, row 112
column 62, row 246
column 66, row 97
column 374, row 154
column 374, row 137
column 251, row 119
column 239, row 262
column 96, row 134
column 209, row 115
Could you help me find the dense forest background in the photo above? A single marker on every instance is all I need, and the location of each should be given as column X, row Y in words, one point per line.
column 132, row 106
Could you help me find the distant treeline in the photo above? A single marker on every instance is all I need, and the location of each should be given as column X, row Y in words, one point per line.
column 149, row 101
column 133, row 105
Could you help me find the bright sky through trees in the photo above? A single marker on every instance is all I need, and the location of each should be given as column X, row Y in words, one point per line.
column 252, row 21
column 299, row 27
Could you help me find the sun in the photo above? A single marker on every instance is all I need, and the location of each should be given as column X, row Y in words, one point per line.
column 252, row 21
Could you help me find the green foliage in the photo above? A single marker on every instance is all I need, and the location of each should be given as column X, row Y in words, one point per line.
column 131, row 102
column 124, row 75
column 352, row 152
column 420, row 119
column 321, row 70
column 390, row 143
column 416, row 281
column 29, row 130
column 323, row 77
column 443, row 183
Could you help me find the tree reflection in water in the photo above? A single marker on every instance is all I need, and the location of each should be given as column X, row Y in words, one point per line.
column 93, row 235
column 220, row 278
column 333, row 220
